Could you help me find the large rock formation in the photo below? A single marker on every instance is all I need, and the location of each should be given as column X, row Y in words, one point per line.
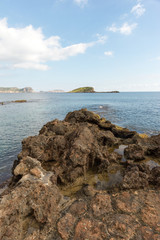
column 83, row 178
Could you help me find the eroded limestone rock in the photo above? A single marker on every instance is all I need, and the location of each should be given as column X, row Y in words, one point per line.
column 34, row 208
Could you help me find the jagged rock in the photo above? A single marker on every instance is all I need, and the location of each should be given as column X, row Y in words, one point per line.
column 28, row 207
column 136, row 176
column 90, row 229
column 26, row 165
column 82, row 116
column 101, row 205
column 37, row 207
column 114, row 157
column 123, row 133
column 150, row 145
column 155, row 176
column 75, row 145
column 134, row 152
column 107, row 138
column 153, row 146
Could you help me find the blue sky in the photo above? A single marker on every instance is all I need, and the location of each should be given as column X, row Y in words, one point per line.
column 66, row 44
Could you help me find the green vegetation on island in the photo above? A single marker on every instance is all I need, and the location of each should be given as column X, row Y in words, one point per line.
column 83, row 90
column 89, row 90
column 15, row 90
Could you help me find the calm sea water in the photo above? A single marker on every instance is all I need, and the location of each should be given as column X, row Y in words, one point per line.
column 136, row 111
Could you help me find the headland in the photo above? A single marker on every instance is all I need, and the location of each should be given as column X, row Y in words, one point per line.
column 15, row 90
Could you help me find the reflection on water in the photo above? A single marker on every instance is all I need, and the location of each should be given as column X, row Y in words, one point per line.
column 114, row 180
column 104, row 181
column 120, row 150
column 152, row 163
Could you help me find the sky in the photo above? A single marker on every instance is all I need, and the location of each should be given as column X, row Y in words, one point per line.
column 66, row 44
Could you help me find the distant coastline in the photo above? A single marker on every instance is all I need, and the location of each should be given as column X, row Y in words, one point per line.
column 16, row 90
column 53, row 91
column 30, row 90
column 109, row 92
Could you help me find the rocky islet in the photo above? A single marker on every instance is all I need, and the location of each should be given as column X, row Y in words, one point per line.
column 83, row 178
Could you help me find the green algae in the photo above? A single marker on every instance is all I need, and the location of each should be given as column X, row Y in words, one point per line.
column 91, row 178
column 99, row 181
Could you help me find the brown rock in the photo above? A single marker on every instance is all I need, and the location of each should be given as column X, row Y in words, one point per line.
column 134, row 152
column 122, row 226
column 128, row 202
column 82, row 116
column 28, row 206
column 155, row 176
column 89, row 191
column 151, row 216
column 89, row 229
column 54, row 127
column 147, row 233
column 123, row 133
column 36, row 172
column 151, row 211
column 156, row 237
column 101, row 204
column 153, row 148
column 107, row 138
column 33, row 208
column 27, row 165
column 21, row 169
column 78, row 208
column 114, row 157
column 135, row 178
column 66, row 225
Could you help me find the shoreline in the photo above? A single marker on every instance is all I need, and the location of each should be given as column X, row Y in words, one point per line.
column 151, row 133
column 142, row 134
column 4, row 185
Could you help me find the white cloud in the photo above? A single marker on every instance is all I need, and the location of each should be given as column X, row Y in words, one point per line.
column 108, row 53
column 81, row 3
column 28, row 48
column 158, row 58
column 31, row 65
column 101, row 38
column 125, row 29
column 138, row 10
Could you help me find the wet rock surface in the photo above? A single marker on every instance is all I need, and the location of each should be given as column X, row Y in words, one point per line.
column 134, row 152
column 83, row 178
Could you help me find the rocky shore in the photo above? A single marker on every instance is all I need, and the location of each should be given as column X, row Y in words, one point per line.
column 83, row 178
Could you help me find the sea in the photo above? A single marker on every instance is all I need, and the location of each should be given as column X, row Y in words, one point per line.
column 138, row 111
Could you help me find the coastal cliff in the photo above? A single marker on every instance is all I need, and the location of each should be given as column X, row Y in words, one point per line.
column 83, row 178
column 15, row 90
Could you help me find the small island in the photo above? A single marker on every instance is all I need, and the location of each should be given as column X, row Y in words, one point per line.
column 89, row 90
column 15, row 101
column 83, row 90
column 19, row 101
